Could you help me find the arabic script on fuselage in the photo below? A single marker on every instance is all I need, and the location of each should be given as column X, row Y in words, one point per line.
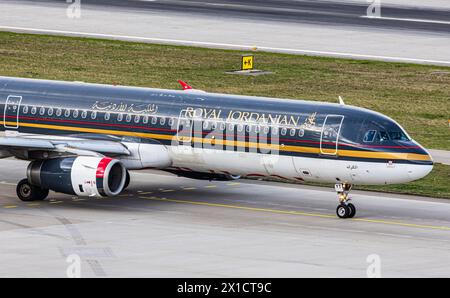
column 123, row 107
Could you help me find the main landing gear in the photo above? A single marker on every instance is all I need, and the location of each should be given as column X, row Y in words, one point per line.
column 27, row 192
column 344, row 209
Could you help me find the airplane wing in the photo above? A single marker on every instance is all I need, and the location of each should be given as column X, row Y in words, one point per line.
column 81, row 147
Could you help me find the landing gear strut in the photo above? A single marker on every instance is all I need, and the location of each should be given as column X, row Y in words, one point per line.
column 344, row 209
column 27, row 192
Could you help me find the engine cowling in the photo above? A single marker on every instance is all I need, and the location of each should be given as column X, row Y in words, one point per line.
column 81, row 176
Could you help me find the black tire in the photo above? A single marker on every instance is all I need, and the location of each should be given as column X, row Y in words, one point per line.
column 127, row 181
column 342, row 211
column 352, row 210
column 27, row 192
column 40, row 194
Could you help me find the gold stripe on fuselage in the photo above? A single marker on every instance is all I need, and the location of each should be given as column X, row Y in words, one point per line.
column 286, row 148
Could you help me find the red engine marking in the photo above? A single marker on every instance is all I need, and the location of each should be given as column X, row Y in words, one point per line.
column 101, row 168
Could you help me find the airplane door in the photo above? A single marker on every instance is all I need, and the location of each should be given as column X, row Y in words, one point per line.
column 329, row 136
column 187, row 155
column 11, row 112
column 184, row 129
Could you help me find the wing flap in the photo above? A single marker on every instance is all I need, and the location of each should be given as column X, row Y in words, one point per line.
column 96, row 146
column 30, row 144
column 26, row 143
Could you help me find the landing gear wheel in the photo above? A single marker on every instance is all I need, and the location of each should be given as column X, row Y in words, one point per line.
column 343, row 211
column 127, row 181
column 27, row 192
column 352, row 210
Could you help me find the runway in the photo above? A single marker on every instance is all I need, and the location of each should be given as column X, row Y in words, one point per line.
column 165, row 226
column 324, row 28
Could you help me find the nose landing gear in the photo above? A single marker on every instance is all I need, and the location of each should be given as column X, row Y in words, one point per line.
column 344, row 209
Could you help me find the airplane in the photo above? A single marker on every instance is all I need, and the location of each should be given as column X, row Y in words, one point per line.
column 83, row 139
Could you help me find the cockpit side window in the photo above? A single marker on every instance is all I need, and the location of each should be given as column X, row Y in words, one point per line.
column 369, row 137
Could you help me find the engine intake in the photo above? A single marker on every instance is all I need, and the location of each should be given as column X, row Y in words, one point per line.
column 81, row 176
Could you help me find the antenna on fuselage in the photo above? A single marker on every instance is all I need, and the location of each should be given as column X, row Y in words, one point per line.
column 341, row 101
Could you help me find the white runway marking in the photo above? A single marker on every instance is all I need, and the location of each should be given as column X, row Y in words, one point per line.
column 226, row 45
column 7, row 183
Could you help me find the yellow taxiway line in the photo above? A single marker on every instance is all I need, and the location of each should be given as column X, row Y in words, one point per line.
column 289, row 212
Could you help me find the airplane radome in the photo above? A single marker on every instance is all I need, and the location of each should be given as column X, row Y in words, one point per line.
column 83, row 139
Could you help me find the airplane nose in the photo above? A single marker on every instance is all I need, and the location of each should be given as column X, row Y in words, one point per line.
column 421, row 169
column 416, row 172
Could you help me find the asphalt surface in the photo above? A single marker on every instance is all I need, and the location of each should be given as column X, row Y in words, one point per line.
column 441, row 156
column 165, row 226
column 340, row 29
column 313, row 12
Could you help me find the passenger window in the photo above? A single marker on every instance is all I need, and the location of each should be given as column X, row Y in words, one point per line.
column 301, row 132
column 186, row 123
column 222, row 126
column 145, row 120
column 93, row 115
column 240, row 127
column 107, row 116
column 119, row 117
column 292, row 132
column 257, row 128
column 33, row 110
column 84, row 114
column 50, row 111
column 154, row 120
column 213, row 125
column 25, row 110
column 231, row 127
column 274, row 131
column 171, row 122
column 42, row 111
column 248, row 128
column 137, row 119
column 162, row 121
column 369, row 137
column 283, row 131
column 58, row 112
column 67, row 113
column 266, row 130
column 75, row 113
column 128, row 118
column 205, row 125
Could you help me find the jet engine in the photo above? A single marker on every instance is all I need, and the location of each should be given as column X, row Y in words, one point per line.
column 81, row 176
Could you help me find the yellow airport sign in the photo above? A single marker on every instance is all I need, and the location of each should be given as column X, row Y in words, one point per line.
column 247, row 62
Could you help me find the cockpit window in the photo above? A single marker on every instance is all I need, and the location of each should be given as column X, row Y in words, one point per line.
column 378, row 131
column 398, row 136
column 384, row 136
column 370, row 136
